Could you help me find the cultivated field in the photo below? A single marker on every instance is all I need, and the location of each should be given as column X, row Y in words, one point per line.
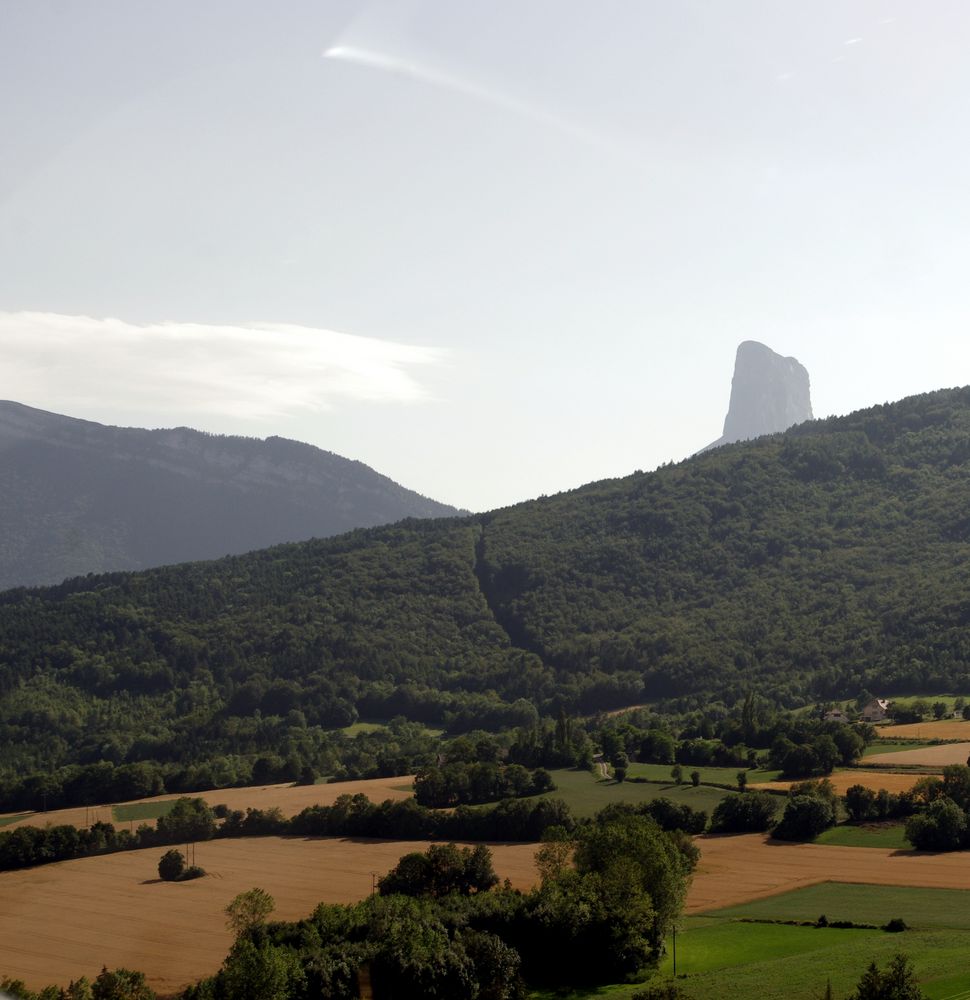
column 948, row 729
column 61, row 921
column 291, row 799
column 736, row 869
column 842, row 780
column 938, row 756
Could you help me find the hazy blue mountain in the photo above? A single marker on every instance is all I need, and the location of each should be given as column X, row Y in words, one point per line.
column 79, row 497
column 769, row 394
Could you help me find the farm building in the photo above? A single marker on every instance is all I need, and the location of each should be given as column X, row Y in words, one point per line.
column 876, row 711
column 835, row 715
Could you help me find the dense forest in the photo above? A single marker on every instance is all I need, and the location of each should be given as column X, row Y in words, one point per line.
column 808, row 565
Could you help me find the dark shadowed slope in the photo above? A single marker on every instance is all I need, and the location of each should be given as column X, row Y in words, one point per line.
column 78, row 497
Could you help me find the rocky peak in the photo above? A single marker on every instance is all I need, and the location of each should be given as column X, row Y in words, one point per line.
column 769, row 393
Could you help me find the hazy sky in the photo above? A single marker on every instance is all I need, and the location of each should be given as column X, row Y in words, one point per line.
column 493, row 249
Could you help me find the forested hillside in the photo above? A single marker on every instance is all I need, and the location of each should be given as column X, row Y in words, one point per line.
column 811, row 564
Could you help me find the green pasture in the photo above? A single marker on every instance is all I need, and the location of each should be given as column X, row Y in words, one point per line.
column 922, row 909
column 586, row 793
column 715, row 775
column 888, row 835
column 142, row 810
column 712, row 948
column 720, row 957
column 7, row 820
column 895, row 746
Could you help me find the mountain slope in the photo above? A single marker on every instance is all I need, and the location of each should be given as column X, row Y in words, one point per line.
column 78, row 497
column 814, row 563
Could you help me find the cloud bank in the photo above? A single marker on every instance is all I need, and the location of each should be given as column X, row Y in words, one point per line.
column 250, row 372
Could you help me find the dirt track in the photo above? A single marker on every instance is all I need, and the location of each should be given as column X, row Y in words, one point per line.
column 735, row 869
column 291, row 799
column 945, row 753
column 61, row 921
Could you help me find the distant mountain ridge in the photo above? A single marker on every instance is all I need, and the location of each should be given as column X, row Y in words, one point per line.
column 80, row 497
column 769, row 394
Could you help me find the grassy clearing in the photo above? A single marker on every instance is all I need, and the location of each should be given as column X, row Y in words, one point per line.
column 888, row 835
column 586, row 794
column 717, row 775
column 6, row 820
column 142, row 810
column 376, row 726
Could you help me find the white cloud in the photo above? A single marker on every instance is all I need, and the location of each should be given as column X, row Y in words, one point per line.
column 250, row 372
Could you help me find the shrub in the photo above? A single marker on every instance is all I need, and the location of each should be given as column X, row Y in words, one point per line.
column 171, row 867
column 896, row 925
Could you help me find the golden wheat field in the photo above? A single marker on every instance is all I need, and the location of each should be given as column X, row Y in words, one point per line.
column 938, row 756
column 842, row 780
column 291, row 799
column 736, row 869
column 61, row 921
column 947, row 729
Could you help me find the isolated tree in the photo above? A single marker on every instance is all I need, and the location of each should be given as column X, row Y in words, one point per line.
column 742, row 780
column 171, row 867
column 695, row 778
column 677, row 773
column 248, row 911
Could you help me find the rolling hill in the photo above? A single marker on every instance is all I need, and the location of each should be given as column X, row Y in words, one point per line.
column 810, row 564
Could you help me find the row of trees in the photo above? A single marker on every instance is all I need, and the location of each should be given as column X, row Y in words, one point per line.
column 460, row 783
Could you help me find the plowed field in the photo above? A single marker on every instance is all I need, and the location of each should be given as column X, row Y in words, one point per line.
column 938, row 756
column 291, row 799
column 60, row 921
column 735, row 869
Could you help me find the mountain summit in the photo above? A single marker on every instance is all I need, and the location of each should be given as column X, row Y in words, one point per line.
column 769, row 393
column 79, row 497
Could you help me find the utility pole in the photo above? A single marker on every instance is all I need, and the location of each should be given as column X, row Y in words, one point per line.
column 373, row 882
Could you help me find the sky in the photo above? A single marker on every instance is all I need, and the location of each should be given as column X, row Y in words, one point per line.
column 494, row 250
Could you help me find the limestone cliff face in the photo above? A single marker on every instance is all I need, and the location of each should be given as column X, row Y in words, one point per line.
column 78, row 497
column 769, row 393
